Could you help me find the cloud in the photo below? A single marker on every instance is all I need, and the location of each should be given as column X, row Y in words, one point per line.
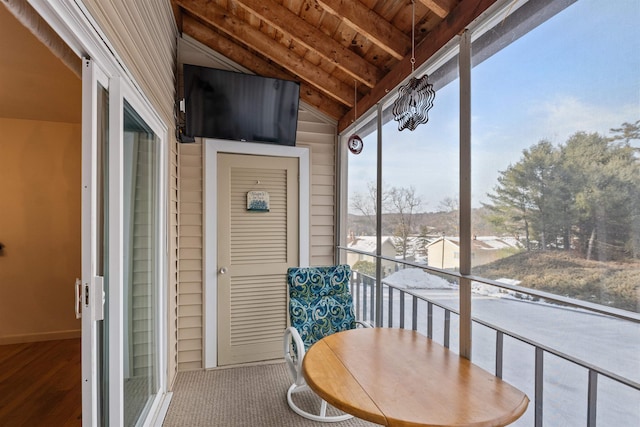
column 563, row 116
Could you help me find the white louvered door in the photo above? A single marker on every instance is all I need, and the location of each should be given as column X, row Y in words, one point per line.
column 255, row 248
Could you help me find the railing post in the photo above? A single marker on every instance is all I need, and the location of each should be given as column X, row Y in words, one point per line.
column 539, row 383
column 352, row 284
column 430, row 320
column 401, row 309
column 447, row 327
column 390, row 315
column 592, row 402
column 364, row 297
column 374, row 297
column 414, row 314
column 358, row 292
column 499, row 353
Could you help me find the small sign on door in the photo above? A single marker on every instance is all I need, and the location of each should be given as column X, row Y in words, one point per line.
column 258, row 201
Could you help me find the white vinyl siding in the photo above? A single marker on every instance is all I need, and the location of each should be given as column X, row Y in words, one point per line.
column 174, row 256
column 143, row 33
column 320, row 138
column 190, row 306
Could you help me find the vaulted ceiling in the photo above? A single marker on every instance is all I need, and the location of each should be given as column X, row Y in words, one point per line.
column 334, row 48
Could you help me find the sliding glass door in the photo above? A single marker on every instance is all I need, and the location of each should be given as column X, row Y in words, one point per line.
column 123, row 255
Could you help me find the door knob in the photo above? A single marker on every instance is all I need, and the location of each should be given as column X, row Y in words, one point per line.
column 223, row 270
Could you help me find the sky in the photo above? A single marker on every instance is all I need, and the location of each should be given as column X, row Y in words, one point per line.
column 579, row 71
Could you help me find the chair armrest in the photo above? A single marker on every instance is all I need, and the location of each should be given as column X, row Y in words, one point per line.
column 294, row 354
column 363, row 324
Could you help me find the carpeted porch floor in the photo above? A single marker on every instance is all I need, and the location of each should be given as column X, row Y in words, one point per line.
column 250, row 396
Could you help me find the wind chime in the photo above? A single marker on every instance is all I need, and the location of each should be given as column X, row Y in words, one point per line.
column 415, row 98
column 355, row 143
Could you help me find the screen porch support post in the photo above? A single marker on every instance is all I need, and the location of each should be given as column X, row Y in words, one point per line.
column 379, row 219
column 465, row 194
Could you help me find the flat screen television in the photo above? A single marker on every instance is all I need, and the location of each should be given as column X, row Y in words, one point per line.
column 242, row 107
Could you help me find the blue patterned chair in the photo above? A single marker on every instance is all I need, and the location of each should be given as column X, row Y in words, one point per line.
column 320, row 304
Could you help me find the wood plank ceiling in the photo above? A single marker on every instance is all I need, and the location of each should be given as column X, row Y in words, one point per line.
column 334, row 48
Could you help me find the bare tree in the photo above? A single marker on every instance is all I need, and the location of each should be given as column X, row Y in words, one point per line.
column 400, row 203
column 451, row 205
column 404, row 203
column 366, row 203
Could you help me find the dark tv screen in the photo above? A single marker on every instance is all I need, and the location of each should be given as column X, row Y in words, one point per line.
column 242, row 107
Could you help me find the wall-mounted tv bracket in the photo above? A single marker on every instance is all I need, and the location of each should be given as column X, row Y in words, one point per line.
column 180, row 112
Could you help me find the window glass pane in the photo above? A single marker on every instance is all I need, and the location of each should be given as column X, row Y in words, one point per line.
column 361, row 220
column 420, row 176
column 362, row 185
column 419, row 205
column 555, row 175
column 556, row 202
column 141, row 262
column 420, row 189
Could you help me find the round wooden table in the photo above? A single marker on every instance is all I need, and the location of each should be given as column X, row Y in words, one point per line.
column 397, row 377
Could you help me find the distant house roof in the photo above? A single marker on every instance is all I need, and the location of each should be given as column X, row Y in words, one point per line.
column 493, row 242
column 454, row 240
column 484, row 242
column 368, row 243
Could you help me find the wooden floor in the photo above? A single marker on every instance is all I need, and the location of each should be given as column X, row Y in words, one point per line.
column 40, row 384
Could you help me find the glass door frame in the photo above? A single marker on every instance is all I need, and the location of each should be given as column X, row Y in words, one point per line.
column 118, row 94
column 91, row 287
column 93, row 295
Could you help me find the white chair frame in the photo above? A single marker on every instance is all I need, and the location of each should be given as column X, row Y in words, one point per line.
column 294, row 360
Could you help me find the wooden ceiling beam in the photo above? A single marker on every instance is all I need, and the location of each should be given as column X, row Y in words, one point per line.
column 370, row 24
column 278, row 53
column 313, row 39
column 257, row 65
column 177, row 14
column 439, row 7
column 454, row 24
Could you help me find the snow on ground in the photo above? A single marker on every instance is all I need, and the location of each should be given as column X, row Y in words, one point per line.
column 493, row 291
column 416, row 278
